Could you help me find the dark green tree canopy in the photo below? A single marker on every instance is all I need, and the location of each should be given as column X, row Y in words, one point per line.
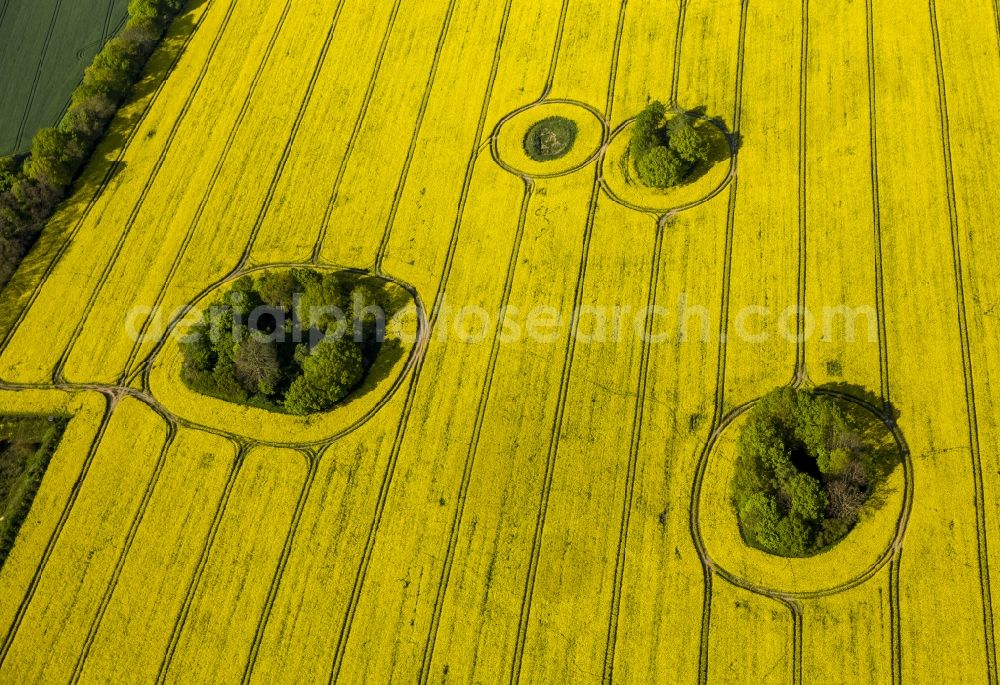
column 665, row 147
column 661, row 167
column 30, row 189
column 297, row 341
column 805, row 469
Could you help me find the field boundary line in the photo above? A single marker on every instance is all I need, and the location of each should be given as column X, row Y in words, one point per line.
column 38, row 75
column 387, row 478
column 801, row 373
column 144, row 366
column 107, row 23
column 566, row 373
column 478, row 147
column 108, row 34
column 113, row 168
column 675, row 77
column 3, row 11
column 895, row 642
column 720, row 372
column 708, row 569
column 58, row 373
column 877, row 209
column 996, row 17
column 901, row 521
column 312, row 459
column 796, row 610
column 126, row 548
column 637, row 419
column 552, row 452
column 209, row 191
column 144, row 397
column 967, row 370
column 358, row 124
column 110, row 403
column 550, row 77
column 194, row 583
column 143, row 372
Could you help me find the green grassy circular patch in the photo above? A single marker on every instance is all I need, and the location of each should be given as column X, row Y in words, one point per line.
column 550, row 138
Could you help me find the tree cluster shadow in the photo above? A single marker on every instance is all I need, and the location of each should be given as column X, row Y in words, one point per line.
column 875, row 433
column 724, row 144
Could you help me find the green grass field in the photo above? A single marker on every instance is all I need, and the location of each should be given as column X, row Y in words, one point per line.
column 26, row 444
column 44, row 47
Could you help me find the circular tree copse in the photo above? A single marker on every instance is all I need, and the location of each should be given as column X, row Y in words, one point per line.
column 296, row 341
column 666, row 149
column 550, row 138
column 806, row 468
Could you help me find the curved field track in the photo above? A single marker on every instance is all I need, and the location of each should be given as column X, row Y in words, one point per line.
column 516, row 497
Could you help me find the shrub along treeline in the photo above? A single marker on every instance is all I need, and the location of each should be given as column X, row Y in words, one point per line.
column 26, row 446
column 31, row 187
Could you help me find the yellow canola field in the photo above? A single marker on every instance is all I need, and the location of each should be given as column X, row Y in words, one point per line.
column 514, row 498
column 67, row 595
column 182, row 508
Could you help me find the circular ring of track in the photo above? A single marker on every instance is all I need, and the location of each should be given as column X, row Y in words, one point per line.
column 507, row 139
column 268, row 427
column 849, row 563
column 617, row 181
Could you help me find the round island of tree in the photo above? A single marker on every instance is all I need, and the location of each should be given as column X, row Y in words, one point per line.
column 550, row 139
column 806, row 468
column 666, row 148
column 295, row 341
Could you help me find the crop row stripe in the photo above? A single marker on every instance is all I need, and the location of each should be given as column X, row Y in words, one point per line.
column 895, row 632
column 107, row 23
column 358, row 122
column 209, row 190
column 289, row 143
column 279, row 572
column 195, row 581
column 485, row 395
column 412, row 149
column 60, row 524
column 967, row 371
column 801, row 370
column 720, row 372
column 58, row 372
column 996, row 17
column 557, row 424
column 3, row 11
column 675, row 79
column 639, row 413
column 470, row 459
column 361, row 573
column 637, row 422
column 38, row 75
column 99, row 191
column 147, row 495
